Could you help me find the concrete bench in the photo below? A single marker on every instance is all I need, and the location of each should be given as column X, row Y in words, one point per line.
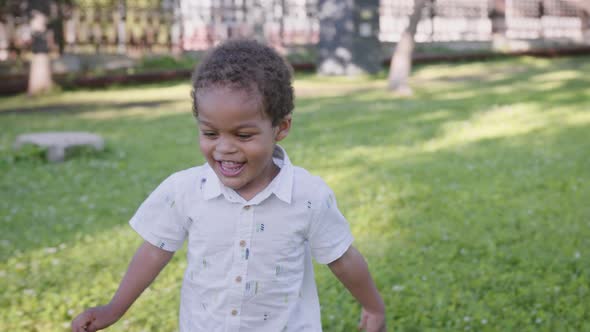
column 57, row 143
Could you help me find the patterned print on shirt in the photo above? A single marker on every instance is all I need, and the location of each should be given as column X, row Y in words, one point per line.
column 259, row 228
column 251, row 288
column 329, row 201
column 245, row 253
column 170, row 201
column 279, row 270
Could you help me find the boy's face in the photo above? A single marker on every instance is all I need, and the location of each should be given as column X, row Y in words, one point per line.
column 237, row 138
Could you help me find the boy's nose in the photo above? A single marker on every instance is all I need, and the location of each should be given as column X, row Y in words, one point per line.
column 225, row 146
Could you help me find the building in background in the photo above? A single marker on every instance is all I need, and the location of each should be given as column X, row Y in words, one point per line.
column 137, row 27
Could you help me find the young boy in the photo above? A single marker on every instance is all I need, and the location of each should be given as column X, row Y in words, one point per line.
column 253, row 221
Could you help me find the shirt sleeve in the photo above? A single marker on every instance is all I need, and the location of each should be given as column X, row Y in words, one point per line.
column 329, row 233
column 157, row 220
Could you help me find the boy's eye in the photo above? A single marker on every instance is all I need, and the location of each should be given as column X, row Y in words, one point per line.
column 244, row 136
column 209, row 134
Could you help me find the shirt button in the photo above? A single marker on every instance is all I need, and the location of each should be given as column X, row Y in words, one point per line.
column 238, row 279
column 234, row 312
column 242, row 243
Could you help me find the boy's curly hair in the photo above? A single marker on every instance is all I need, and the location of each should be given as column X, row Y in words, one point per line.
column 252, row 66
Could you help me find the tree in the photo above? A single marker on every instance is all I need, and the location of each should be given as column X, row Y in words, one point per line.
column 45, row 16
column 349, row 43
column 40, row 70
column 401, row 61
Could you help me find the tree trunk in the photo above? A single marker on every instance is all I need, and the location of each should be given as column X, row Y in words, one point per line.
column 121, row 27
column 401, row 61
column 257, row 15
column 40, row 71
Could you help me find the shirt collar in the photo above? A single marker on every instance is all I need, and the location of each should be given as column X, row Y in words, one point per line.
column 281, row 185
column 210, row 184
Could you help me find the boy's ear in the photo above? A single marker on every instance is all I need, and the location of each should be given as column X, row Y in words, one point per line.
column 283, row 128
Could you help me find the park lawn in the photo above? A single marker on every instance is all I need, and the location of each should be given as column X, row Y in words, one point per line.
column 470, row 200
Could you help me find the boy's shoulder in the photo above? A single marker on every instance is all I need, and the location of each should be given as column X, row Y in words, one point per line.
column 187, row 179
column 309, row 185
column 190, row 173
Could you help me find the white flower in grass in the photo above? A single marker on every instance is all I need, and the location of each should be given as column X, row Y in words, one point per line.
column 484, row 321
column 577, row 255
column 29, row 292
column 2, row 274
column 538, row 320
column 467, row 318
column 397, row 288
column 50, row 250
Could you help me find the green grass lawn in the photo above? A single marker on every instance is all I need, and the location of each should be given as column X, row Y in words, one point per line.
column 470, row 200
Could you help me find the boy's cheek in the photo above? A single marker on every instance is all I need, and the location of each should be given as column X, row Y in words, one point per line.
column 203, row 146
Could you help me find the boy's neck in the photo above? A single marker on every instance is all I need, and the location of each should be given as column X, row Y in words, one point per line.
column 250, row 193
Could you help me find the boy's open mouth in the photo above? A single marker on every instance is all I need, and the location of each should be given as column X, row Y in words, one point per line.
column 230, row 168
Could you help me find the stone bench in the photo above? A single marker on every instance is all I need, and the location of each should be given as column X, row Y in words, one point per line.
column 57, row 143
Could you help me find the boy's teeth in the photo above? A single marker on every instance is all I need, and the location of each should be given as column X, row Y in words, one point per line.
column 230, row 164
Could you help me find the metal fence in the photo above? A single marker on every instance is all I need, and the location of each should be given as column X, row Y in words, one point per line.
column 117, row 26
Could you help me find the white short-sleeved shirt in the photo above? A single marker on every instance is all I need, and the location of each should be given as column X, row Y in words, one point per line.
column 249, row 262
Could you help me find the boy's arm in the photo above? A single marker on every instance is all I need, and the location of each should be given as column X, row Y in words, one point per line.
column 351, row 269
column 147, row 263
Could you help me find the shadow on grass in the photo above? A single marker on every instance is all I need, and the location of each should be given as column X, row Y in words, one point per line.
column 485, row 230
column 84, row 107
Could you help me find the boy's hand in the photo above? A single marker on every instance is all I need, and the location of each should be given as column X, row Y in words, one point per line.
column 372, row 322
column 94, row 319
